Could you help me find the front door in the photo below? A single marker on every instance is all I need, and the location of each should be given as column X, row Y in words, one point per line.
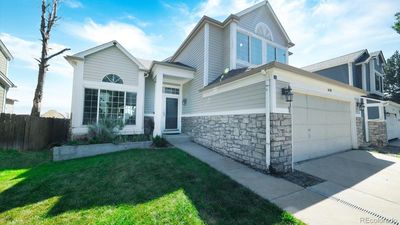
column 171, row 113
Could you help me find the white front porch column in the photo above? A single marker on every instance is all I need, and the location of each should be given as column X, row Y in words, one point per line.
column 158, row 102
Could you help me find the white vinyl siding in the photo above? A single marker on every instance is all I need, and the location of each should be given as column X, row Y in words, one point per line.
column 249, row 97
column 110, row 61
column 227, row 49
column 149, row 96
column 250, row 20
column 216, row 53
column 193, row 55
column 3, row 64
column 2, row 93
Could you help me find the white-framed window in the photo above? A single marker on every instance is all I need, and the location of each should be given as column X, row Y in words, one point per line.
column 263, row 30
column 276, row 54
column 100, row 104
column 112, row 78
column 252, row 49
column 170, row 90
column 378, row 82
column 242, row 47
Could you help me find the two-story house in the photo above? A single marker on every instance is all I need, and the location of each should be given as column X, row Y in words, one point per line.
column 5, row 82
column 359, row 69
column 364, row 70
column 228, row 86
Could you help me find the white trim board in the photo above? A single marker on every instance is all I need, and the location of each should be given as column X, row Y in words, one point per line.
column 233, row 112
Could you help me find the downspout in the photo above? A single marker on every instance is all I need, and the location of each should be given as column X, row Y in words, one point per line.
column 267, row 119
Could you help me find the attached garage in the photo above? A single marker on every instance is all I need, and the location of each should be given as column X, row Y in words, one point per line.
column 321, row 126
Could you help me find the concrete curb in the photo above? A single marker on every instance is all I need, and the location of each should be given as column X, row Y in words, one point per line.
column 67, row 152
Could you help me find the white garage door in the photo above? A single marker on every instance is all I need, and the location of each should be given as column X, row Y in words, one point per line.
column 392, row 122
column 321, row 126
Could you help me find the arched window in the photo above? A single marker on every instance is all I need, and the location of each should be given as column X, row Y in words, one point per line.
column 112, row 78
column 263, row 30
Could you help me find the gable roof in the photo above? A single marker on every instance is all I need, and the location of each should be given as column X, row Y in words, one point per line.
column 266, row 3
column 232, row 17
column 81, row 55
column 380, row 54
column 4, row 80
column 5, row 51
column 344, row 59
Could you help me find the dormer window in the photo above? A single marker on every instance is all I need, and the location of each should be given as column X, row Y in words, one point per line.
column 263, row 30
column 112, row 78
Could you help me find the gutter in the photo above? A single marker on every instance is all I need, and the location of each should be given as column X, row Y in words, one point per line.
column 6, row 80
column 287, row 68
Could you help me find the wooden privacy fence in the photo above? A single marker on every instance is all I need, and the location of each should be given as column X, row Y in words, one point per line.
column 23, row 132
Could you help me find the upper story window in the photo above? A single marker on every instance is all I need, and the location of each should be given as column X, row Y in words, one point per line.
column 276, row 54
column 112, row 78
column 256, row 51
column 249, row 50
column 378, row 83
column 263, row 30
column 242, row 47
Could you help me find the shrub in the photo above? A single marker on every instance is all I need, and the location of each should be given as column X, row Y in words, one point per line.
column 159, row 142
column 105, row 131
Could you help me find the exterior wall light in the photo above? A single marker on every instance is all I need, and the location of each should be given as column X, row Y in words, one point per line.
column 287, row 92
column 184, row 101
column 360, row 106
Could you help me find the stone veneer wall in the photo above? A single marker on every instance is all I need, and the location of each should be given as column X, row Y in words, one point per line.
column 360, row 132
column 281, row 142
column 377, row 133
column 240, row 137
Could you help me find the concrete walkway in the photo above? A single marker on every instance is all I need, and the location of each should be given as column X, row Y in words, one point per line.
column 308, row 205
column 266, row 186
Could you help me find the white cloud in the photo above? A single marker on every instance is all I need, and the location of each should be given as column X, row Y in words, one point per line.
column 72, row 3
column 335, row 27
column 27, row 51
column 218, row 9
column 130, row 36
column 320, row 30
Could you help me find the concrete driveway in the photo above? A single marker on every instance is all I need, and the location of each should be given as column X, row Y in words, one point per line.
column 361, row 188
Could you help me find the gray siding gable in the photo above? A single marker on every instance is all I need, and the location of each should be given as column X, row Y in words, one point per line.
column 250, row 20
column 110, row 61
column 216, row 52
column 193, row 55
column 339, row 73
column 3, row 63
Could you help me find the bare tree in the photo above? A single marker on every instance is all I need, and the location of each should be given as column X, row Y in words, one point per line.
column 48, row 19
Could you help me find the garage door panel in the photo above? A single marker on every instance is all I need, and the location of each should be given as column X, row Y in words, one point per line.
column 299, row 100
column 300, row 133
column 314, row 102
column 315, row 116
column 301, row 115
column 337, row 117
column 320, row 127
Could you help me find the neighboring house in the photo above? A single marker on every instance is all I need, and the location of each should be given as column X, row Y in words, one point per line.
column 359, row 69
column 5, row 82
column 228, row 86
column 10, row 105
column 364, row 70
column 53, row 114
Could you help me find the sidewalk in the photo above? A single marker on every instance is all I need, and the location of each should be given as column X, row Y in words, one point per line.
column 304, row 203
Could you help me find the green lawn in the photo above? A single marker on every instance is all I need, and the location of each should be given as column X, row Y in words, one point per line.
column 133, row 187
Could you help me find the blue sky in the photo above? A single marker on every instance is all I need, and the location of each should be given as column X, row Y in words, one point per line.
column 155, row 29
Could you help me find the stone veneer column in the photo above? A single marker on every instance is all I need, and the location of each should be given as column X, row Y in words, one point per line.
column 360, row 132
column 281, row 143
column 377, row 133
